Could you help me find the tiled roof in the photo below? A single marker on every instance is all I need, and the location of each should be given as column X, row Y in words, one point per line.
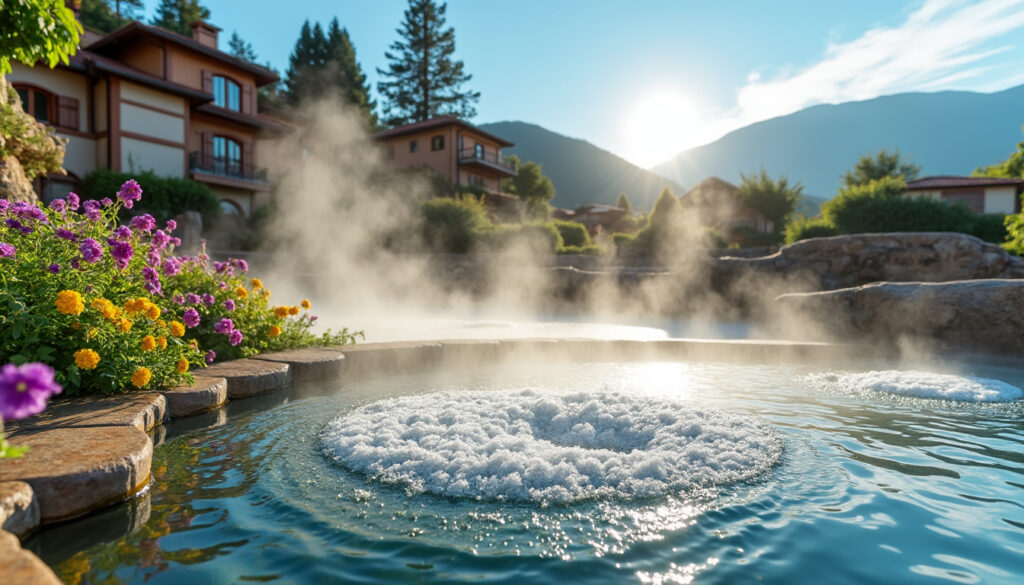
column 84, row 60
column 953, row 182
column 438, row 122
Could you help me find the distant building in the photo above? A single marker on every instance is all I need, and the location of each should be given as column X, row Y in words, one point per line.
column 144, row 98
column 460, row 152
column 598, row 218
column 714, row 204
column 981, row 194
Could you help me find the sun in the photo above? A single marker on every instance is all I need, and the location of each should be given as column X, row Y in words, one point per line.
column 660, row 124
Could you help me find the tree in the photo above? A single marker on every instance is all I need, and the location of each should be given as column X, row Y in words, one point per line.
column 530, row 186
column 667, row 212
column 107, row 16
column 882, row 164
column 623, row 203
column 37, row 30
column 350, row 79
column 774, row 199
column 1012, row 167
column 880, row 206
column 175, row 15
column 239, row 47
column 421, row 80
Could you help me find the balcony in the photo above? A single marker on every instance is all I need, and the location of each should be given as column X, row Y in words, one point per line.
column 487, row 161
column 221, row 171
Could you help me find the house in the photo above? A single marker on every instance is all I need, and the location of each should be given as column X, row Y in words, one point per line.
column 981, row 194
column 598, row 218
column 144, row 98
column 464, row 155
column 714, row 203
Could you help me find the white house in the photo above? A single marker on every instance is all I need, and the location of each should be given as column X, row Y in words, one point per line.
column 981, row 194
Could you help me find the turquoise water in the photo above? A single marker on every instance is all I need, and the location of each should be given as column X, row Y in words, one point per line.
column 870, row 487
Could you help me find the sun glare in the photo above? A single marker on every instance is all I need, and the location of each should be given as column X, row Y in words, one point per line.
column 659, row 126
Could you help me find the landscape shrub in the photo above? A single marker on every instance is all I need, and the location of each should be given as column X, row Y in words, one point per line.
column 111, row 308
column 1015, row 234
column 166, row 197
column 573, row 233
column 803, row 228
column 621, row 240
column 450, row 224
column 537, row 237
column 990, row 227
column 589, row 250
column 879, row 206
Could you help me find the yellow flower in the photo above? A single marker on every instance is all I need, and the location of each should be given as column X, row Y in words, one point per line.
column 153, row 311
column 148, row 343
column 86, row 359
column 177, row 329
column 182, row 366
column 136, row 305
column 306, row 304
column 92, row 333
column 257, row 283
column 125, row 325
column 241, row 293
column 193, row 344
column 161, row 324
column 266, row 294
column 161, row 342
column 141, row 377
column 109, row 310
column 274, row 331
column 76, row 325
column 69, row 302
column 293, row 310
column 281, row 312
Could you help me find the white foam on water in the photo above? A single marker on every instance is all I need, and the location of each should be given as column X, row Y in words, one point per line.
column 921, row 385
column 544, row 447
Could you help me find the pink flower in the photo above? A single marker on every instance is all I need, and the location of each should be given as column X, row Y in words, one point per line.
column 25, row 389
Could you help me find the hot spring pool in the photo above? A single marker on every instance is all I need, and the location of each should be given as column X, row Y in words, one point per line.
column 584, row 473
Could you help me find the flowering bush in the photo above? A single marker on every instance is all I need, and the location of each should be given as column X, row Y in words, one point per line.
column 111, row 307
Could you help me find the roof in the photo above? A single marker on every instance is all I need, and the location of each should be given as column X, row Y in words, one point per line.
column 437, row 122
column 86, row 60
column 713, row 184
column 257, row 121
column 262, row 74
column 954, row 182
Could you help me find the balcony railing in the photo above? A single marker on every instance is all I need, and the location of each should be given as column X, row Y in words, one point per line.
column 222, row 167
column 490, row 158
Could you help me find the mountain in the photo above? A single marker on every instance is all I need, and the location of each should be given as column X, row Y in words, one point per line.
column 947, row 133
column 581, row 172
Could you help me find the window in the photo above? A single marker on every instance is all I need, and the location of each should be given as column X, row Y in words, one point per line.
column 478, row 150
column 227, row 93
column 414, row 145
column 227, row 155
column 229, row 207
column 437, row 143
column 36, row 102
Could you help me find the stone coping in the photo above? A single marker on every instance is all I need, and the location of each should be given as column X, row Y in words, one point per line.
column 206, row 393
column 310, row 365
column 249, row 377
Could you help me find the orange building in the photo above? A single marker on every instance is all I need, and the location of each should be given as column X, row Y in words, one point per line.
column 460, row 152
column 146, row 99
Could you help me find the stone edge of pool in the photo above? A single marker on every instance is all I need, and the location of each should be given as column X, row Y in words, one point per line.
column 90, row 453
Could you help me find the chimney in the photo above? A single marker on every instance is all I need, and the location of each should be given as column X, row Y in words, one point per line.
column 204, row 33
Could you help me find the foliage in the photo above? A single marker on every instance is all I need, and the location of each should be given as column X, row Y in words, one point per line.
column 241, row 48
column 882, row 164
column 880, row 207
column 803, row 228
column 667, row 210
column 623, row 240
column 37, row 30
column 422, row 81
column 774, row 199
column 622, row 202
column 1012, row 167
column 1015, row 234
column 323, row 65
column 450, row 224
column 530, row 186
column 32, row 143
column 573, row 233
column 630, row 224
column 110, row 308
column 536, row 237
column 175, row 15
column 106, row 16
column 166, row 197
column 588, row 250
column 990, row 227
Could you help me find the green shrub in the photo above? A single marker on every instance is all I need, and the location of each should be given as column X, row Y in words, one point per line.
column 880, row 207
column 166, row 197
column 589, row 250
column 804, row 228
column 540, row 238
column 573, row 233
column 623, row 240
column 451, row 224
column 1015, row 234
column 990, row 227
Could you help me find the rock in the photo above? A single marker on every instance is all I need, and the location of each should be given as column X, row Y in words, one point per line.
column 75, row 470
column 21, row 567
column 380, row 359
column 313, row 364
column 25, row 139
column 974, row 315
column 469, row 352
column 14, row 184
column 143, row 410
column 19, row 509
column 248, row 377
column 206, row 393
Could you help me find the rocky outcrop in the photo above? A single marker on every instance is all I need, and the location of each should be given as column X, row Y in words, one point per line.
column 27, row 148
column 976, row 315
column 14, row 185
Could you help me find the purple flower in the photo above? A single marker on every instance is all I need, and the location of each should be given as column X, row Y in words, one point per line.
column 229, row 305
column 66, row 235
column 24, row 390
column 130, row 193
column 153, row 257
column 153, row 287
column 92, row 209
column 91, row 250
column 312, row 319
column 178, row 299
column 150, row 274
column 144, row 223
column 208, row 299
column 221, row 267
column 76, row 264
column 171, row 267
column 193, row 299
column 122, row 253
column 14, row 224
column 223, row 285
column 72, row 201
column 160, row 240
column 123, row 232
column 241, row 264
column 54, row 268
column 171, row 225
column 7, row 250
column 210, row 356
column 176, row 241
column 58, row 205
column 106, row 201
column 4, row 203
column 235, row 337
column 190, row 317
column 225, row 326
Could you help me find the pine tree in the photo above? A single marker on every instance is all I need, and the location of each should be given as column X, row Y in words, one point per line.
column 623, row 203
column 239, row 47
column 175, row 15
column 422, row 81
column 305, row 79
column 350, row 77
column 106, row 16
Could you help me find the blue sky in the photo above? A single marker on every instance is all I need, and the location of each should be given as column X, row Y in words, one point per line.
column 649, row 78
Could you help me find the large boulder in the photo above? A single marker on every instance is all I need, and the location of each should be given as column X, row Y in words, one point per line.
column 974, row 315
column 27, row 148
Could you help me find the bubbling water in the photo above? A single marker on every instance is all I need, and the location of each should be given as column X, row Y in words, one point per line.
column 530, row 446
column 920, row 385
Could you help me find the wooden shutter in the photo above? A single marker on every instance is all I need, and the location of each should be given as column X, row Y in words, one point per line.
column 67, row 112
column 247, row 161
column 247, row 106
column 207, row 81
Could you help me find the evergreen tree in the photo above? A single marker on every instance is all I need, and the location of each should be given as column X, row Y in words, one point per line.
column 882, row 164
column 774, row 199
column 623, row 203
column 241, row 48
column 175, row 15
column 530, row 186
column 106, row 16
column 422, row 81
column 350, row 79
column 305, row 75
